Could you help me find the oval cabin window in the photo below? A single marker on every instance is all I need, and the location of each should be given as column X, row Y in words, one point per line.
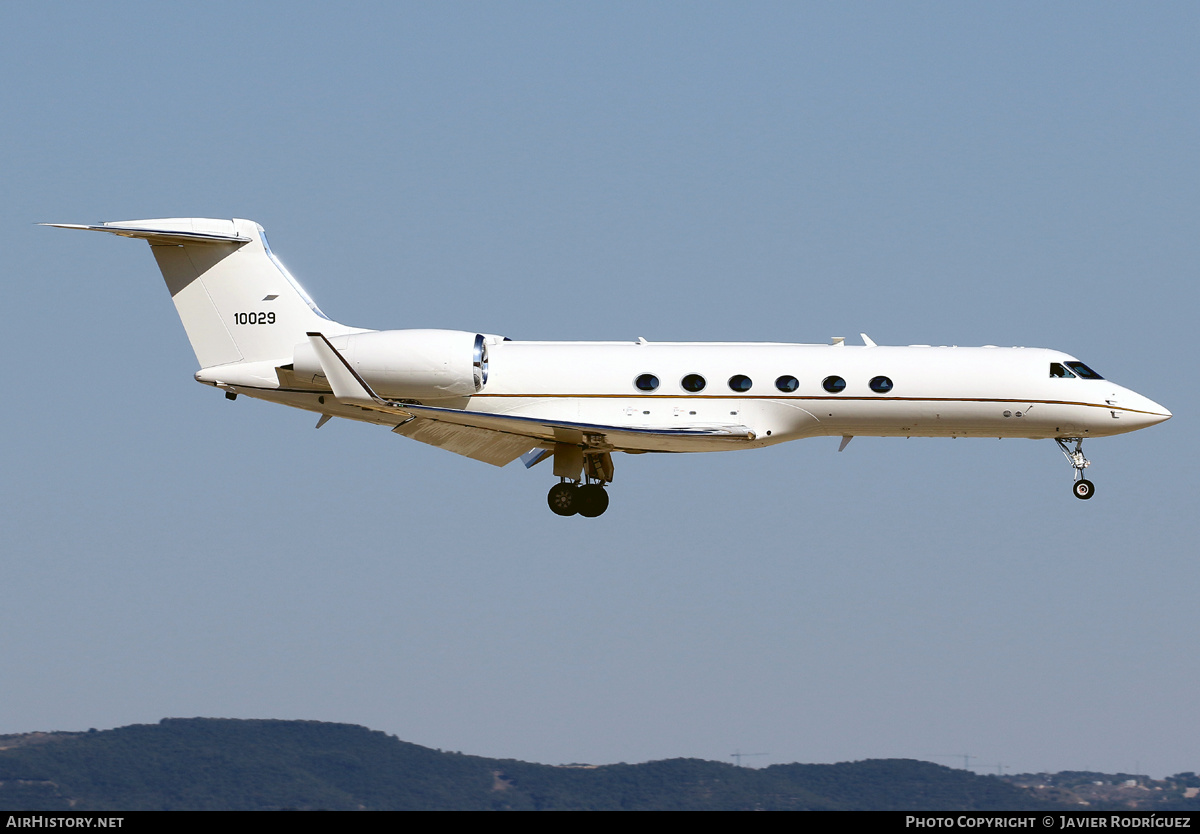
column 834, row 384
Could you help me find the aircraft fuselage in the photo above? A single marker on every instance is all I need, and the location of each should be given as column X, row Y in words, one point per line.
column 933, row 392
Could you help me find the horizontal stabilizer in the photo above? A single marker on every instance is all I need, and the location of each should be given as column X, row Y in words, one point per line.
column 165, row 231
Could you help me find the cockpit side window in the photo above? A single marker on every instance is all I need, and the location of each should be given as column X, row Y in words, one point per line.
column 1083, row 370
column 1057, row 371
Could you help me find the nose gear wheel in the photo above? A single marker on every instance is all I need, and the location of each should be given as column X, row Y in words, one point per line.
column 1082, row 488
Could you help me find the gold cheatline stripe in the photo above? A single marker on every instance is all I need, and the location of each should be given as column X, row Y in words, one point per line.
column 810, row 399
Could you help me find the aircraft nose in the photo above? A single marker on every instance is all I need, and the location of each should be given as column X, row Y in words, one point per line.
column 1146, row 412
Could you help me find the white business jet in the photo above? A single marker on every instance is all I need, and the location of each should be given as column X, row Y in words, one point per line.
column 256, row 332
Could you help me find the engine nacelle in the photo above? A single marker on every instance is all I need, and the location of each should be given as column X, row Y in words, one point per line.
column 407, row 364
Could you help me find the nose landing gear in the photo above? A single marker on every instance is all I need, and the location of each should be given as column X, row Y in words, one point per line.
column 1082, row 488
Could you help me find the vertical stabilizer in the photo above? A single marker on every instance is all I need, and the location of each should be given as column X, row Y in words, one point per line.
column 236, row 300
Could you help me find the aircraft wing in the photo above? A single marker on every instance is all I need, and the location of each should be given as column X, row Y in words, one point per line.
column 499, row 439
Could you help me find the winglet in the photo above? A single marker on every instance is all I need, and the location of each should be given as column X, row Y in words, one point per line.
column 347, row 385
column 535, row 456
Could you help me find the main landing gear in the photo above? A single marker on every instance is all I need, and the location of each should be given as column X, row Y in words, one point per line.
column 582, row 474
column 588, row 500
column 1083, row 488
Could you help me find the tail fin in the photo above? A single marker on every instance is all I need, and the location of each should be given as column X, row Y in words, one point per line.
column 236, row 300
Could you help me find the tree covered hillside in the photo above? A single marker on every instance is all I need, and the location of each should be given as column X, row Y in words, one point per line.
column 225, row 764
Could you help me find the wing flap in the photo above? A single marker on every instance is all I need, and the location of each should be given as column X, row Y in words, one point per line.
column 485, row 445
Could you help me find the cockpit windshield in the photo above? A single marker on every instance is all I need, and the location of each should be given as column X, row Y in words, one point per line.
column 1063, row 370
column 1083, row 370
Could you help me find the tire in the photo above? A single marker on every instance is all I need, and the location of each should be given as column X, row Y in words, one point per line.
column 563, row 499
column 592, row 500
column 1084, row 489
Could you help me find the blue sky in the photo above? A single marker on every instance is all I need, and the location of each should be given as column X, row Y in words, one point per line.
column 941, row 173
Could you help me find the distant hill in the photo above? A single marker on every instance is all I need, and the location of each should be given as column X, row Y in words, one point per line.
column 225, row 764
